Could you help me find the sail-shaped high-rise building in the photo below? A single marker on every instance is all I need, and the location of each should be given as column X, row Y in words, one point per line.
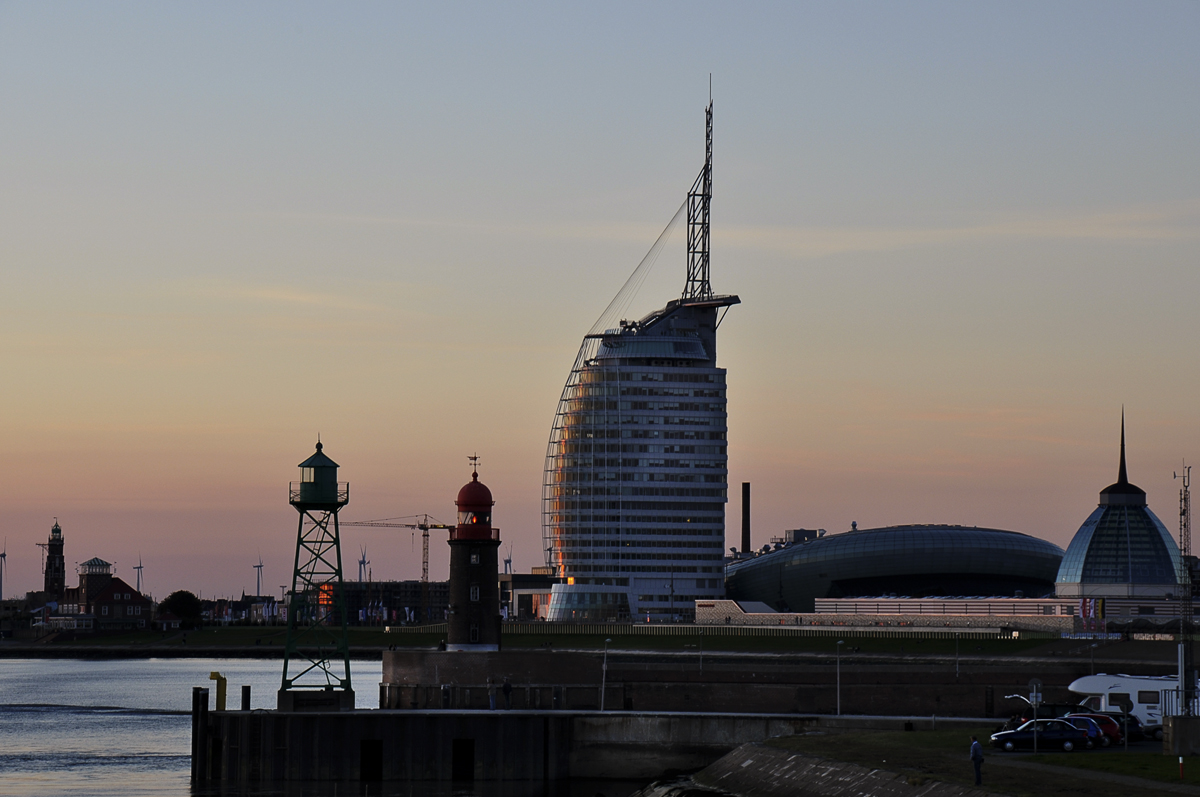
column 636, row 477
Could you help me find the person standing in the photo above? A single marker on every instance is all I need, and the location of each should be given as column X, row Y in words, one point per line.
column 977, row 759
column 507, row 690
column 491, row 687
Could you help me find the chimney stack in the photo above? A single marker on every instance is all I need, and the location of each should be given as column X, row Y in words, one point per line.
column 745, row 517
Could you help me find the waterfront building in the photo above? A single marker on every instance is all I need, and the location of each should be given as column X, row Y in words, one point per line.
column 636, row 475
column 118, row 606
column 1122, row 550
column 911, row 561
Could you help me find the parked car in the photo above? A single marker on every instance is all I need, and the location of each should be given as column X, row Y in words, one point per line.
column 1095, row 736
column 1050, row 734
column 1130, row 725
column 1108, row 726
column 1052, row 710
column 1153, row 732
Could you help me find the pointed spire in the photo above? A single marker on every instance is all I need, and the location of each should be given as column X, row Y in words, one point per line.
column 1122, row 475
column 1121, row 491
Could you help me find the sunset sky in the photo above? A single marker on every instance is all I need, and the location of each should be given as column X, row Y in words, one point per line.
column 964, row 235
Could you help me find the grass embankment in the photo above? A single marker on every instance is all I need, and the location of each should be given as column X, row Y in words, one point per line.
column 274, row 636
column 943, row 756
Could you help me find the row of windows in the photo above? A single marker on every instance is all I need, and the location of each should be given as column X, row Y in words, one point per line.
column 567, row 543
column 615, row 532
column 706, row 557
column 129, row 610
column 588, row 598
column 655, row 434
column 593, row 375
column 668, row 599
column 672, row 391
column 576, row 406
column 685, row 506
column 681, row 406
column 585, row 435
column 583, row 419
column 592, row 448
column 698, row 492
column 599, row 391
column 586, row 477
column 558, row 520
column 613, row 462
column 570, row 569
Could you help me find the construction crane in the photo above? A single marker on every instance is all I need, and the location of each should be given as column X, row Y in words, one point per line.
column 424, row 525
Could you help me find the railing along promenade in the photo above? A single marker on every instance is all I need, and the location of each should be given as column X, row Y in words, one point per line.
column 690, row 630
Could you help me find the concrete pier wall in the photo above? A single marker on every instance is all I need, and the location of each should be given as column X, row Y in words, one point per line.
column 445, row 746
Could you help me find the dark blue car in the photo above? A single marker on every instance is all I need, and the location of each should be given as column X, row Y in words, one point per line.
column 1051, row 735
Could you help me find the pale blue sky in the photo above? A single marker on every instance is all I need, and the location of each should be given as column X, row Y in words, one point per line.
column 964, row 235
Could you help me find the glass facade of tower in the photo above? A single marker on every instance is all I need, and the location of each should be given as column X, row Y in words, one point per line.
column 636, row 476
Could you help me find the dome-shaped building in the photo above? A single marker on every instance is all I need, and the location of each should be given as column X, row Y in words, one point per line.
column 913, row 561
column 1122, row 550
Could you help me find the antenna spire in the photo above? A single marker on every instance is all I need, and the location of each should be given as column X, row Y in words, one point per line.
column 1122, row 475
column 698, row 201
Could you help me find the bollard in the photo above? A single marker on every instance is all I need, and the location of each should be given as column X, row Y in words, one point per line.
column 221, row 683
column 195, row 731
column 245, row 697
column 200, row 739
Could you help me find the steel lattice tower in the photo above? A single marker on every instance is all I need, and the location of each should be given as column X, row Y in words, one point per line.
column 699, row 200
column 317, row 655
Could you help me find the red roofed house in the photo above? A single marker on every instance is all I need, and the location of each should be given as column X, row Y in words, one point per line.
column 117, row 605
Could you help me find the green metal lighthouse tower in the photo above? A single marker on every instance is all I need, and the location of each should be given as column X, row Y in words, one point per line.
column 316, row 663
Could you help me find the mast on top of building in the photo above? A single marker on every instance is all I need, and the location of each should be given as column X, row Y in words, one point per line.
column 699, row 200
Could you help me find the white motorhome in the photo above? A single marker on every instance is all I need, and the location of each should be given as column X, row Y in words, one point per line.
column 1143, row 693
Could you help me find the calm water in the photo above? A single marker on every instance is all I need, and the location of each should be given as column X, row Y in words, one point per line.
column 101, row 728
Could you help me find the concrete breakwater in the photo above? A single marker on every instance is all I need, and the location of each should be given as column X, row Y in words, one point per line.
column 757, row 770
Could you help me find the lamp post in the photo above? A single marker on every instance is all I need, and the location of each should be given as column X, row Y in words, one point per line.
column 604, row 674
column 956, row 636
column 839, row 676
column 1093, row 652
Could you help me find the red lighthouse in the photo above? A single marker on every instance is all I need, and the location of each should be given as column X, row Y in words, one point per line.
column 474, row 622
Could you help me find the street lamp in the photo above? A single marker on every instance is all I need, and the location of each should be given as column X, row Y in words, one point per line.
column 1093, row 651
column 604, row 674
column 839, row 675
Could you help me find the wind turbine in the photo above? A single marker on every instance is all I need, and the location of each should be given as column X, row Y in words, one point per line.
column 362, row 563
column 139, row 574
column 258, row 575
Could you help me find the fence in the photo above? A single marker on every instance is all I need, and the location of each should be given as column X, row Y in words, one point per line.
column 665, row 630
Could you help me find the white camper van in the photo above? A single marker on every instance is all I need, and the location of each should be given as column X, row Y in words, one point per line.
column 1144, row 693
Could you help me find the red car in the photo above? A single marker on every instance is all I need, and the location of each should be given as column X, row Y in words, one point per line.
column 1110, row 727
